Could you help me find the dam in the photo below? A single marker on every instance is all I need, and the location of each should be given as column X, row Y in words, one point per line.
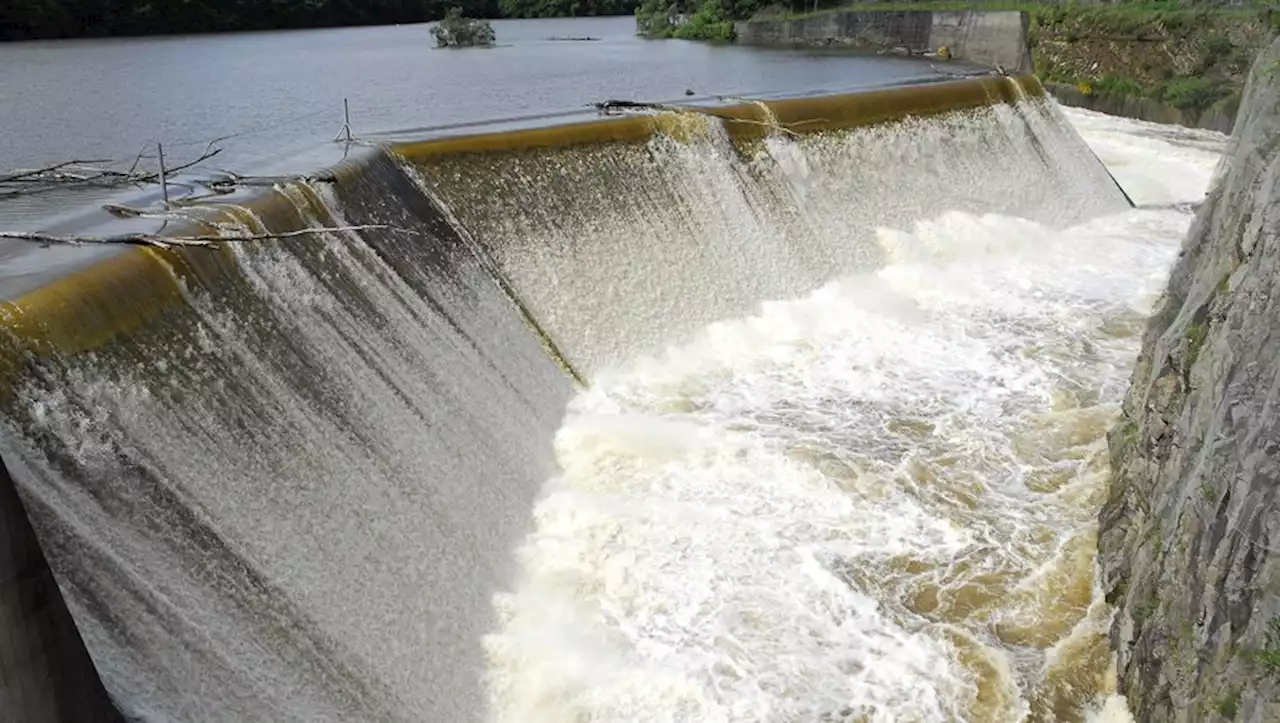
column 780, row 409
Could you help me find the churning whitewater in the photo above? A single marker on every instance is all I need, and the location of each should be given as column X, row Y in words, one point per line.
column 875, row 503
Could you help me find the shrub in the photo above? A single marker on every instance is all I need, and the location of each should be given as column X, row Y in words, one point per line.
column 455, row 31
column 656, row 18
column 1219, row 45
column 1111, row 85
column 1193, row 92
column 711, row 22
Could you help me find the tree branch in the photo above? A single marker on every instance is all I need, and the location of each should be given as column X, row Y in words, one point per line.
column 26, row 174
column 73, row 174
column 145, row 239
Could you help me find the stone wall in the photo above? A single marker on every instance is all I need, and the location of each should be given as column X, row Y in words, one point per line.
column 1189, row 538
column 995, row 38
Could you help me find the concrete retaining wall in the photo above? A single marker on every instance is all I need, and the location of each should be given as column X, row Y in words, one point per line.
column 995, row 38
column 1146, row 109
column 989, row 38
column 855, row 29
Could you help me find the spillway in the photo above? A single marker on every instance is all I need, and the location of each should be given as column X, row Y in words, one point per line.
column 284, row 480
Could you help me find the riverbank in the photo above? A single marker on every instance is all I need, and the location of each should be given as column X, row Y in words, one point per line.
column 1184, row 66
column 1180, row 65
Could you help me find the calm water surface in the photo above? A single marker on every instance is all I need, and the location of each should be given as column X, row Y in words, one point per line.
column 281, row 92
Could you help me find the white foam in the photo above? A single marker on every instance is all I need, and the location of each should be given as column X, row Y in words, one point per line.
column 747, row 526
column 620, row 249
column 1115, row 709
column 1155, row 163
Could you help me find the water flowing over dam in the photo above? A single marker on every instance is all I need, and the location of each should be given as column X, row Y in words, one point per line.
column 284, row 480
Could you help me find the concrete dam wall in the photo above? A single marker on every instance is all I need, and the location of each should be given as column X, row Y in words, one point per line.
column 991, row 38
column 282, row 480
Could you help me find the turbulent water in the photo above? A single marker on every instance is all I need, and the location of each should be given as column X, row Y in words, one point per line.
column 619, row 249
column 875, row 503
column 291, row 496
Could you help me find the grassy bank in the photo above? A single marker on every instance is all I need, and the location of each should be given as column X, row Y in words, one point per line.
column 1190, row 58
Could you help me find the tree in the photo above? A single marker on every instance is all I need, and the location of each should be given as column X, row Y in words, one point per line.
column 456, row 31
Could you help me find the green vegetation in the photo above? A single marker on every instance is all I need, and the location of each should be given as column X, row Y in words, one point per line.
column 1120, row 14
column 706, row 20
column 1196, row 334
column 1184, row 92
column 1132, row 21
column 1192, row 57
column 456, row 31
column 1113, row 84
column 711, row 22
column 808, row 11
column 27, row 19
column 1229, row 704
column 1129, row 434
column 656, row 18
column 1192, row 92
column 1209, row 491
column 1223, row 286
column 1184, row 53
column 1146, row 609
column 1269, row 657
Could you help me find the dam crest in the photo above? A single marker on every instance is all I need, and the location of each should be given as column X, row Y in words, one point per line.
column 283, row 480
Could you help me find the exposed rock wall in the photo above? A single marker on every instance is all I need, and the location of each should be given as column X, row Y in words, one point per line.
column 1189, row 543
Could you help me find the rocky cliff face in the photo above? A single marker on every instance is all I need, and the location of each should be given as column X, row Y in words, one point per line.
column 1189, row 545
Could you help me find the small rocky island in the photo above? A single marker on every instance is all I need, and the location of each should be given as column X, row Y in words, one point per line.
column 456, row 31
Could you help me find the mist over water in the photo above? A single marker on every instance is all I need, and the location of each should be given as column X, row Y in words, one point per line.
column 874, row 503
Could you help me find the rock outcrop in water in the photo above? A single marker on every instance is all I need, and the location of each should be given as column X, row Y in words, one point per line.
column 1189, row 539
